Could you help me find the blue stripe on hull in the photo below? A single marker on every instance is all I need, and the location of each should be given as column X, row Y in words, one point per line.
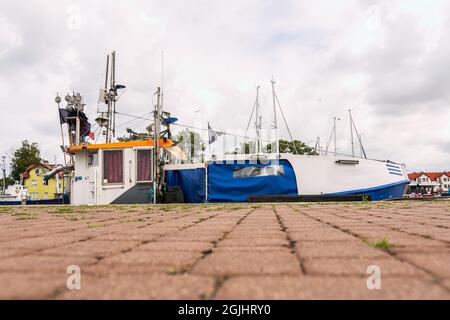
column 44, row 202
column 388, row 191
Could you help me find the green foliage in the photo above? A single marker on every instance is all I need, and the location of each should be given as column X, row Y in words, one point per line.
column 366, row 200
column 382, row 244
column 294, row 147
column 192, row 144
column 26, row 155
column 246, row 148
column 8, row 181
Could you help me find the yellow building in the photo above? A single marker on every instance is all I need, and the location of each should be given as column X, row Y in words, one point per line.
column 37, row 187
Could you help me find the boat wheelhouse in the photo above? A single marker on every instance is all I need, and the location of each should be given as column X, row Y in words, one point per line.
column 117, row 172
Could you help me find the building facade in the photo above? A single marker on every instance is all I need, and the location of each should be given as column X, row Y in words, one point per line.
column 40, row 189
column 429, row 182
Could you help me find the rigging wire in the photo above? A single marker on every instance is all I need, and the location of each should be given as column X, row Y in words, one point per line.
column 250, row 120
column 285, row 122
column 143, row 117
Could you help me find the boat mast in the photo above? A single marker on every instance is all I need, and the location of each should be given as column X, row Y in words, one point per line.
column 351, row 132
column 4, row 174
column 275, row 124
column 257, row 122
column 157, row 133
column 109, row 97
column 108, row 126
column 335, row 139
column 114, row 97
column 58, row 101
column 317, row 147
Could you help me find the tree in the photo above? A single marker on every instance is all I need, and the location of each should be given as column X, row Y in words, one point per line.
column 133, row 136
column 296, row 147
column 26, row 155
column 8, row 182
column 245, row 147
column 192, row 144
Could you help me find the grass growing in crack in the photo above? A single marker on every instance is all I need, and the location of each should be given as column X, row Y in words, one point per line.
column 233, row 208
column 6, row 210
column 131, row 221
column 384, row 244
column 93, row 226
column 71, row 217
column 63, row 210
column 176, row 270
column 25, row 216
column 167, row 208
column 365, row 200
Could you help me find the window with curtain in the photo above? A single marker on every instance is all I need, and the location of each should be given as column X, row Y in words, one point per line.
column 144, row 171
column 113, row 166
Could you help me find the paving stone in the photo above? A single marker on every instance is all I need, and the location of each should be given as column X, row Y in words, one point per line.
column 308, row 287
column 358, row 266
column 41, row 263
column 231, row 251
column 337, row 249
column 252, row 262
column 91, row 248
column 176, row 246
column 31, row 285
column 156, row 286
column 437, row 263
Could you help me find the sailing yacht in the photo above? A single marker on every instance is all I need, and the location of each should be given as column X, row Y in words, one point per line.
column 152, row 170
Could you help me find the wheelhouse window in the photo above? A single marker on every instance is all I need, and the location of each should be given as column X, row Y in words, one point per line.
column 112, row 166
column 92, row 158
column 255, row 171
column 144, row 167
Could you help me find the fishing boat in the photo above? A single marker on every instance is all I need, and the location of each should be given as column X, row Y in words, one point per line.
column 152, row 170
column 14, row 195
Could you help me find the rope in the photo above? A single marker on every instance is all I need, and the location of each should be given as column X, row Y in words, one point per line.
column 285, row 122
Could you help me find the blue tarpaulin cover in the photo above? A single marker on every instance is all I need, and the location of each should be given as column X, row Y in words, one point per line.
column 191, row 181
column 237, row 181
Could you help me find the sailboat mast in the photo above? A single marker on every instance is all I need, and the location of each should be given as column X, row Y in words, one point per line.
column 335, row 138
column 257, row 122
column 351, row 132
column 275, row 123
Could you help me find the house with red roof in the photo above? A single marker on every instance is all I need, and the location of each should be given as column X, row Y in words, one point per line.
column 429, row 182
column 38, row 187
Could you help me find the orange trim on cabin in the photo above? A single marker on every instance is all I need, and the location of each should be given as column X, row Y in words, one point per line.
column 121, row 145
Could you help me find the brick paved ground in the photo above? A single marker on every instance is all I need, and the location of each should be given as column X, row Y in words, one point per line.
column 282, row 251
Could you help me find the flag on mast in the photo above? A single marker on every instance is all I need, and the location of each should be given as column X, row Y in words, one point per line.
column 213, row 135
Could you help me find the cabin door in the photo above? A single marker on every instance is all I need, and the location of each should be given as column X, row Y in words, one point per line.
column 91, row 190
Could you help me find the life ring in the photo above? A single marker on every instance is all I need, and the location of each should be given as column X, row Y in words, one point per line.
column 17, row 190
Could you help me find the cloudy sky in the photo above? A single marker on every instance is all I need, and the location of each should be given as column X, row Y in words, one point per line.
column 389, row 61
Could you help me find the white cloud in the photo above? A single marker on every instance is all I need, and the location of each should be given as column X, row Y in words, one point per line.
column 386, row 60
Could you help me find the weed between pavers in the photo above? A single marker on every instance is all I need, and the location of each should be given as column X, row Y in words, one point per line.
column 176, row 270
column 382, row 244
column 131, row 221
column 6, row 210
column 93, row 226
column 25, row 216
